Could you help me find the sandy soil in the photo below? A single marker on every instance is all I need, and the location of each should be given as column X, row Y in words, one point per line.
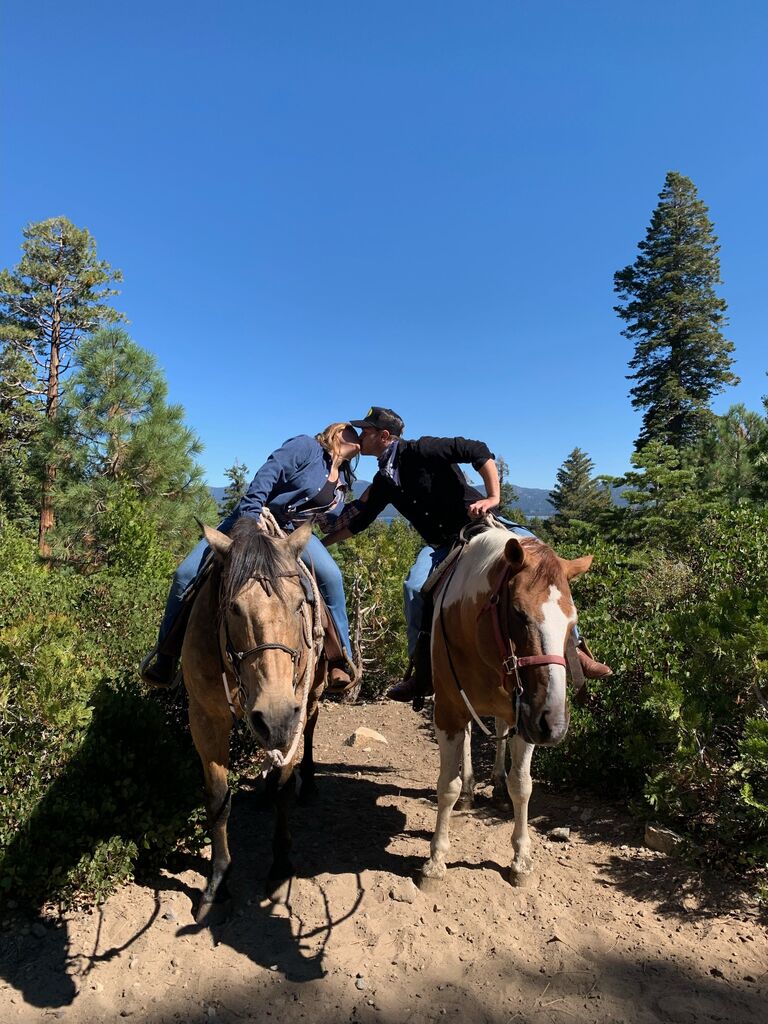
column 609, row 932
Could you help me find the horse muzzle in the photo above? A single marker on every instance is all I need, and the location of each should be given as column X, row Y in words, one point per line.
column 275, row 726
column 545, row 728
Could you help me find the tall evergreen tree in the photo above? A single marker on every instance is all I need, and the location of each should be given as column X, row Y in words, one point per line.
column 20, row 427
column 675, row 318
column 47, row 303
column 237, row 474
column 577, row 495
column 122, row 445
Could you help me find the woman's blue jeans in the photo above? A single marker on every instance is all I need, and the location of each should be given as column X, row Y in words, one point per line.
column 315, row 555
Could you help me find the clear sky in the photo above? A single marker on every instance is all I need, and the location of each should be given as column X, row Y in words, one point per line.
column 319, row 206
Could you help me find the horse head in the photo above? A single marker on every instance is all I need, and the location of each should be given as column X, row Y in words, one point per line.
column 262, row 631
column 540, row 615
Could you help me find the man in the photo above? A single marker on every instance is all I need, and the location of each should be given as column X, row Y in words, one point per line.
column 423, row 481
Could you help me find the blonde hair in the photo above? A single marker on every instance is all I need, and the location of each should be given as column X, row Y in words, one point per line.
column 330, row 438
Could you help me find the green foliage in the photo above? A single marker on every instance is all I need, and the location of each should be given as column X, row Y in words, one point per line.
column 54, row 296
column 237, row 474
column 577, row 496
column 124, row 451
column 675, row 318
column 19, row 438
column 97, row 779
column 374, row 565
column 683, row 721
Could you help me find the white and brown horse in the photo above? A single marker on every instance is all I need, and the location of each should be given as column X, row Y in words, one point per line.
column 503, row 616
column 252, row 653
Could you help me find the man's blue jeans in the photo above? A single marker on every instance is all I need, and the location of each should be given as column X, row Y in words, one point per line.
column 428, row 559
column 314, row 555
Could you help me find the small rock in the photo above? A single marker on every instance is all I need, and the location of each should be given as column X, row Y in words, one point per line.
column 749, row 977
column 661, row 839
column 403, row 891
column 560, row 835
column 360, row 983
column 362, row 736
column 169, row 916
column 274, row 967
column 716, row 972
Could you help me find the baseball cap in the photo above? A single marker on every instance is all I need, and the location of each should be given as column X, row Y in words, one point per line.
column 381, row 419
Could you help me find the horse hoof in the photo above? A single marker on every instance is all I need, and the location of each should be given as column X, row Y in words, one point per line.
column 279, row 890
column 500, row 797
column 464, row 803
column 522, row 879
column 213, row 912
column 308, row 794
column 430, row 885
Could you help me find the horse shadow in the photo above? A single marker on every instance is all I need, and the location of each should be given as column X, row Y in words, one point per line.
column 346, row 830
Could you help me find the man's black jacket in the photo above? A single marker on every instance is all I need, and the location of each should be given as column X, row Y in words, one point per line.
column 433, row 494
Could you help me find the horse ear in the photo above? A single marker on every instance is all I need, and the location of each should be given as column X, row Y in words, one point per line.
column 299, row 539
column 514, row 553
column 220, row 543
column 576, row 566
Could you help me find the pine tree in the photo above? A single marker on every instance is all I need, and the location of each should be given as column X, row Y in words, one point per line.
column 577, row 495
column 675, row 318
column 20, row 428
column 47, row 303
column 509, row 505
column 123, row 446
column 237, row 474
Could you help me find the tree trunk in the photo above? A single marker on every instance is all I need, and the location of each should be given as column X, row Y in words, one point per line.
column 47, row 516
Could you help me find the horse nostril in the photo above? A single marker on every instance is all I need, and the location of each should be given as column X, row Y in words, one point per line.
column 260, row 724
column 297, row 710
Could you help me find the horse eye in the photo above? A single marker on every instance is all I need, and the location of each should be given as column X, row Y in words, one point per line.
column 237, row 610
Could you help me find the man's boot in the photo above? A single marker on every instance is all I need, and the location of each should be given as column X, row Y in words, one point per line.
column 419, row 683
column 592, row 669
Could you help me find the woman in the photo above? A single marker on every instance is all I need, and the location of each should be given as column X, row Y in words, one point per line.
column 304, row 478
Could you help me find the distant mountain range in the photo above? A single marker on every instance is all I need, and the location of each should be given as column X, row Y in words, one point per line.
column 534, row 501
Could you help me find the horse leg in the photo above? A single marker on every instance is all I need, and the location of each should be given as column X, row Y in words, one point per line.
column 499, row 774
column 281, row 871
column 308, row 790
column 211, row 737
column 519, row 786
column 467, row 797
column 448, row 790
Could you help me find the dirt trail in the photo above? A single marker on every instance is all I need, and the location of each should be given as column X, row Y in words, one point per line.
column 610, row 932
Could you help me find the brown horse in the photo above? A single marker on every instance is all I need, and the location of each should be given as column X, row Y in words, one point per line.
column 251, row 652
column 502, row 620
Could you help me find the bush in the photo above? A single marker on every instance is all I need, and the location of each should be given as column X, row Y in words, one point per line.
column 97, row 779
column 683, row 722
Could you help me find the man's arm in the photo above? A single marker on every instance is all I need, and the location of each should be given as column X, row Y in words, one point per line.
column 490, row 477
column 360, row 514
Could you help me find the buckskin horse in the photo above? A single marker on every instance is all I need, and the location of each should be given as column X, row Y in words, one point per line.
column 252, row 653
column 503, row 615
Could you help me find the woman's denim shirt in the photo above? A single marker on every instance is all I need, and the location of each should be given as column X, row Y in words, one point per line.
column 292, row 475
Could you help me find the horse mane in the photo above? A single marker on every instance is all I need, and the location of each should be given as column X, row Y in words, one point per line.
column 548, row 568
column 253, row 555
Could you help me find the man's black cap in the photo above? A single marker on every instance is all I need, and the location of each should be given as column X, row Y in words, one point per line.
column 381, row 419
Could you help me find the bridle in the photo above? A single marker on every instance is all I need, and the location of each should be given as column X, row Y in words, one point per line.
column 236, row 658
column 510, row 662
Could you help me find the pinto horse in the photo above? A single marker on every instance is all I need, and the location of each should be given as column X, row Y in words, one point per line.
column 503, row 615
column 251, row 652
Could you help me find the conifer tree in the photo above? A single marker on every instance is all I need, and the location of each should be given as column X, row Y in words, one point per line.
column 577, row 495
column 237, row 474
column 47, row 303
column 122, row 445
column 675, row 318
column 20, row 425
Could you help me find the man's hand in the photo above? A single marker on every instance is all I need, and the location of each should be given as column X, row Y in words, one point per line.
column 480, row 508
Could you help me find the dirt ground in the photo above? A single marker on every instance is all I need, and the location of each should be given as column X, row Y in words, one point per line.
column 609, row 931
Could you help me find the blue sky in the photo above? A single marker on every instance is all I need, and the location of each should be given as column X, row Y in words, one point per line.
column 319, row 206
